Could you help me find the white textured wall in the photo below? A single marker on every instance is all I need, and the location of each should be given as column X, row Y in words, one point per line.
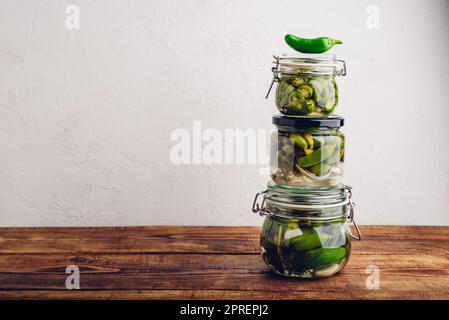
column 86, row 115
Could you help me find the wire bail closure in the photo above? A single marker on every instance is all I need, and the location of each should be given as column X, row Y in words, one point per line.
column 275, row 71
column 342, row 71
column 261, row 210
column 351, row 215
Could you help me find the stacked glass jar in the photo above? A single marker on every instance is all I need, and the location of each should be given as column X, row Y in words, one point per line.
column 307, row 209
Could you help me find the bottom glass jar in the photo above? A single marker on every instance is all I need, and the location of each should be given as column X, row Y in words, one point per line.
column 306, row 231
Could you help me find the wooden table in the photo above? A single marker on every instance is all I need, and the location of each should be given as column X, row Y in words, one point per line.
column 211, row 263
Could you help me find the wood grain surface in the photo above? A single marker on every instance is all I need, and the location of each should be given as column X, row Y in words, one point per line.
column 211, row 263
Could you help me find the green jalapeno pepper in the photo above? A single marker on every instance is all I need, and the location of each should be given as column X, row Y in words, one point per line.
column 311, row 95
column 316, row 156
column 309, row 239
column 321, row 169
column 317, row 45
column 305, row 248
column 321, row 257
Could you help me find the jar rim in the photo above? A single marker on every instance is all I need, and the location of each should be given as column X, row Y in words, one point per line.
column 305, row 203
column 307, row 197
column 320, row 64
column 304, row 122
column 310, row 57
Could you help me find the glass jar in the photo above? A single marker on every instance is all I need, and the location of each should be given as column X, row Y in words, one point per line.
column 306, row 84
column 307, row 152
column 306, row 232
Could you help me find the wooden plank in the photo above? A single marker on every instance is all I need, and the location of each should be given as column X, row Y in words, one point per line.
column 162, row 239
column 211, row 263
column 197, row 263
column 425, row 274
column 219, row 295
column 168, row 239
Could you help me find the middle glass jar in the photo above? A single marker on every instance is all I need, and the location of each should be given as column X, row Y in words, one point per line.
column 307, row 152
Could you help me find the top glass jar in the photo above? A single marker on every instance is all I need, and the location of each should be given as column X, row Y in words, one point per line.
column 306, row 84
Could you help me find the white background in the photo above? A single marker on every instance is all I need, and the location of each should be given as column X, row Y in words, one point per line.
column 86, row 115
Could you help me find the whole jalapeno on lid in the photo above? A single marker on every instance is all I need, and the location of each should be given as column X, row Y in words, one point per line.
column 317, row 45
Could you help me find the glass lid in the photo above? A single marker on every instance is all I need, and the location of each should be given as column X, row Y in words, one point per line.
column 304, row 203
column 308, row 197
column 325, row 64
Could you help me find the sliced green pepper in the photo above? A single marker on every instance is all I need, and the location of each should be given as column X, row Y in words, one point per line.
column 318, row 142
column 334, row 158
column 321, row 257
column 308, row 137
column 308, row 240
column 305, row 91
column 298, row 82
column 299, row 140
column 320, row 169
column 316, row 156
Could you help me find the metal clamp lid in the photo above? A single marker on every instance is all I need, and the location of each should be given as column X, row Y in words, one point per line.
column 263, row 211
